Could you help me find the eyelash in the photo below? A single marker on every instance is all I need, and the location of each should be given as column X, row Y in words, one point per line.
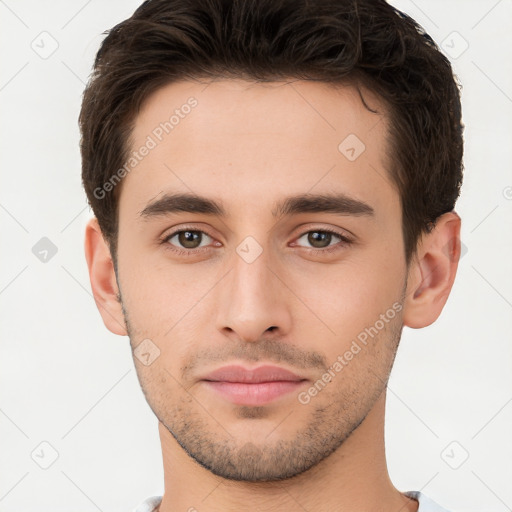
column 193, row 252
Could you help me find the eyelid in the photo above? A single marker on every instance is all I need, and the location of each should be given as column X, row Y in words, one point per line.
column 345, row 239
column 341, row 232
column 175, row 231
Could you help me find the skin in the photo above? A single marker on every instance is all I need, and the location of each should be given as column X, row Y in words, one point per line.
column 247, row 146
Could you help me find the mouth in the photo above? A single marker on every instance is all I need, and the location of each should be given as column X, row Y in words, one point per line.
column 257, row 386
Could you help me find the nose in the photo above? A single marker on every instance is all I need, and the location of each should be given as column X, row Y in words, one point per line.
column 254, row 300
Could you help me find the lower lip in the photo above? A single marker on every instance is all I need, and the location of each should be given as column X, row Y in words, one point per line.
column 241, row 393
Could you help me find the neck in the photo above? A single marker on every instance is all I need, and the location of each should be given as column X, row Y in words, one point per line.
column 353, row 478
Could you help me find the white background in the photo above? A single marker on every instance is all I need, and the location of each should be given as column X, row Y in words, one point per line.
column 68, row 381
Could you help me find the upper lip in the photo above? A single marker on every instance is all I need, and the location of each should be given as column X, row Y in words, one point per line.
column 266, row 373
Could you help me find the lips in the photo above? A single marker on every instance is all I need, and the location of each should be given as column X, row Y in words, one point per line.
column 257, row 386
column 265, row 373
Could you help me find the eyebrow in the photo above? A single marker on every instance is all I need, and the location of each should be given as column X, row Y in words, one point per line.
column 337, row 203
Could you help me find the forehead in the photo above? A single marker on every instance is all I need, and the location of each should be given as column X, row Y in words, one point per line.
column 251, row 140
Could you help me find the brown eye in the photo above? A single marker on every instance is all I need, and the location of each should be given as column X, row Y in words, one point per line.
column 319, row 239
column 322, row 239
column 187, row 239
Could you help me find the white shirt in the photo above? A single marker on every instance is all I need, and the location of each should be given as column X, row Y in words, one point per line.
column 425, row 503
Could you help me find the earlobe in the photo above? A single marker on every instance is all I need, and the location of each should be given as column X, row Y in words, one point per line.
column 432, row 272
column 103, row 278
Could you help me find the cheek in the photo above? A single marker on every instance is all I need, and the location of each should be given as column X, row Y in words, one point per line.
column 171, row 306
column 345, row 299
column 152, row 289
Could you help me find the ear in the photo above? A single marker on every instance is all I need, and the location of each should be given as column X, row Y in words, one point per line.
column 103, row 278
column 432, row 272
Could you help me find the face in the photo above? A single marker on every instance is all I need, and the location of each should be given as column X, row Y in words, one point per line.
column 255, row 274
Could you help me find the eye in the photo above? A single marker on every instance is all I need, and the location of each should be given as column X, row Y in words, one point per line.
column 189, row 242
column 186, row 240
column 320, row 240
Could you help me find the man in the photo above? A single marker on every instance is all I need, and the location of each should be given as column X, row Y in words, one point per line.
column 273, row 184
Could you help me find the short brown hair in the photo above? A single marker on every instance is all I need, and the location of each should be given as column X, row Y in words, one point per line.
column 366, row 42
